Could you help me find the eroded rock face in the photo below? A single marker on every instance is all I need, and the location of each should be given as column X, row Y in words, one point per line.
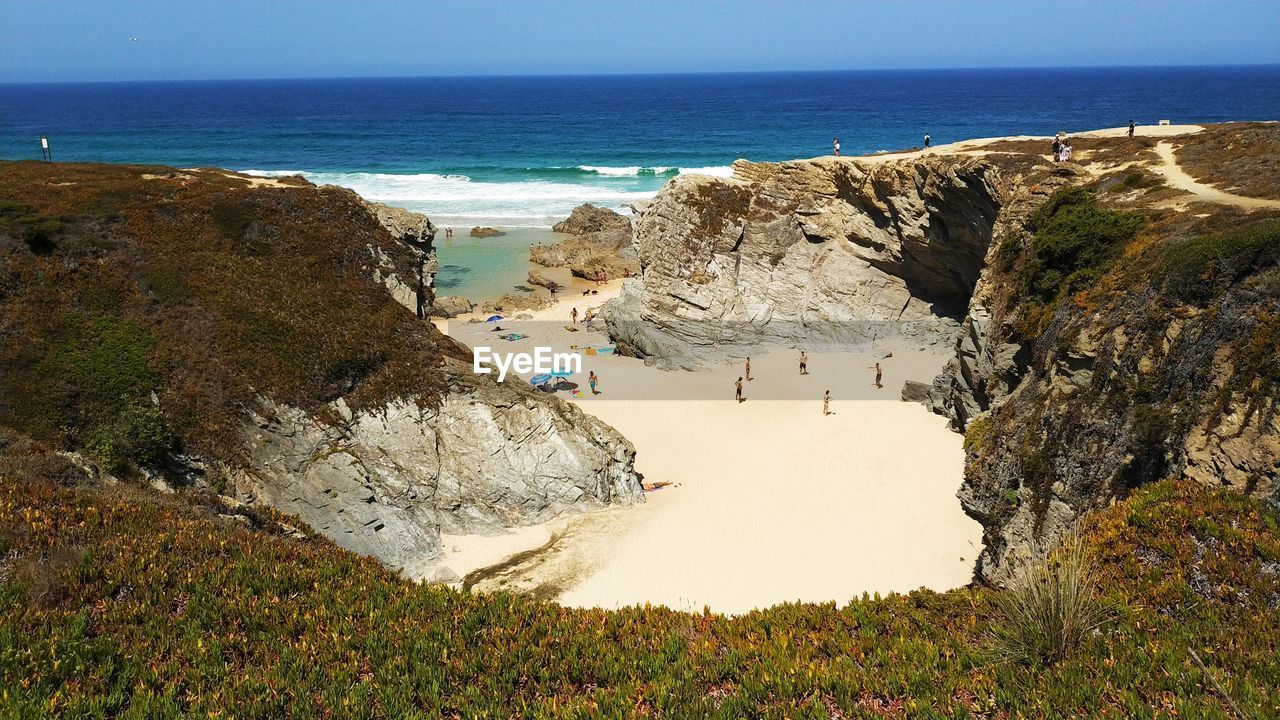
column 601, row 244
column 386, row 484
column 1123, row 386
column 826, row 251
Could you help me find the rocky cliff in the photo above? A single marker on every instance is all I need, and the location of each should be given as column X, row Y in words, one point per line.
column 827, row 251
column 204, row 329
column 1109, row 346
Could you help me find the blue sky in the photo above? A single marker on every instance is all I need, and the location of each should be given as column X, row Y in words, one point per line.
column 44, row 40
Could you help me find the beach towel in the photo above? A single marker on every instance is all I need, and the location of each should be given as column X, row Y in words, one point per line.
column 590, row 351
column 606, row 349
column 577, row 393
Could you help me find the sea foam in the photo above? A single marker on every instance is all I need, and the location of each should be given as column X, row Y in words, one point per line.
column 532, row 203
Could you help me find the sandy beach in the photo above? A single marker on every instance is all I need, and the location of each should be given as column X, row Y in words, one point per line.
column 766, row 501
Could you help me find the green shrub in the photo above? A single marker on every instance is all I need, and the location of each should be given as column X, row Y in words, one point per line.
column 1050, row 608
column 1075, row 240
column 137, row 435
column 1200, row 268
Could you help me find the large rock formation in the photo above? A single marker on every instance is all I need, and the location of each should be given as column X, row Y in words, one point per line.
column 601, row 243
column 491, row 455
column 824, row 252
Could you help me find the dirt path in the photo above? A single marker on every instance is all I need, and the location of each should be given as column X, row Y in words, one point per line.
column 1176, row 177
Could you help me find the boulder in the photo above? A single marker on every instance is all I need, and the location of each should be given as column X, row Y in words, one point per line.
column 601, row 245
column 916, row 392
column 540, row 280
column 588, row 218
column 451, row 306
column 484, row 232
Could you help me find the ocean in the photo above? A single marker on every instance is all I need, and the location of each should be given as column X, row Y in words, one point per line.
column 521, row 152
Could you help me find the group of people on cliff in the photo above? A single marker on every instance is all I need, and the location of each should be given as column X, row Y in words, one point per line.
column 1062, row 151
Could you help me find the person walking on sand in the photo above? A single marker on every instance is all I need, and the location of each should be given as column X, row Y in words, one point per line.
column 1057, row 148
column 804, row 363
column 826, row 403
column 737, row 390
column 574, row 316
column 927, row 140
column 1130, row 127
column 748, row 370
column 591, row 381
column 835, row 144
column 878, row 375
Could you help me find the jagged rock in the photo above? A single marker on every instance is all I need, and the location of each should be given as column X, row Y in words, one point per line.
column 451, row 306
column 588, row 218
column 405, row 225
column 512, row 302
column 539, row 280
column 1115, row 392
column 484, row 232
column 601, row 244
column 915, row 392
column 827, row 252
column 491, row 455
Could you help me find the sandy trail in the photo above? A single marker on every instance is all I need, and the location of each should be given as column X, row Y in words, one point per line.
column 769, row 500
column 1176, row 177
column 974, row 146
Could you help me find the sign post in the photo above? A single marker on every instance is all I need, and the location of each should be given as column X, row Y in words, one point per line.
column 45, row 153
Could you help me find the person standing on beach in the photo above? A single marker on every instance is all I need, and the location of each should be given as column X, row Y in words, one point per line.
column 574, row 316
column 878, row 375
column 835, row 143
column 826, row 403
column 804, row 363
column 737, row 390
column 592, row 380
column 926, row 141
column 1057, row 148
column 1131, row 127
column 748, row 369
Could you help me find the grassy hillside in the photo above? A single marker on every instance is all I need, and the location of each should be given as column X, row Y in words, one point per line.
column 142, row 309
column 120, row 602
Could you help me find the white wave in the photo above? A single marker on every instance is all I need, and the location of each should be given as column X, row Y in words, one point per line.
column 716, row 171
column 534, row 203
column 628, row 171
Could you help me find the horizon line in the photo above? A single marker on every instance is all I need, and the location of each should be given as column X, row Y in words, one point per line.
column 678, row 73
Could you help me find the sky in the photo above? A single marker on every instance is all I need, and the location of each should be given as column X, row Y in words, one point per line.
column 90, row 40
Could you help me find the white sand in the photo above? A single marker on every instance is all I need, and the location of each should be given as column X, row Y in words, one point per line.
column 770, row 501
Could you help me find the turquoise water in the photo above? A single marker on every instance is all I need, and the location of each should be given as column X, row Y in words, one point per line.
column 485, row 268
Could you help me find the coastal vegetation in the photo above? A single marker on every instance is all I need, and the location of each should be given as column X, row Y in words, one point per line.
column 146, row 309
column 116, row 601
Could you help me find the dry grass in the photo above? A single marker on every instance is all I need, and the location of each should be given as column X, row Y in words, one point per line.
column 1242, row 158
column 1051, row 608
